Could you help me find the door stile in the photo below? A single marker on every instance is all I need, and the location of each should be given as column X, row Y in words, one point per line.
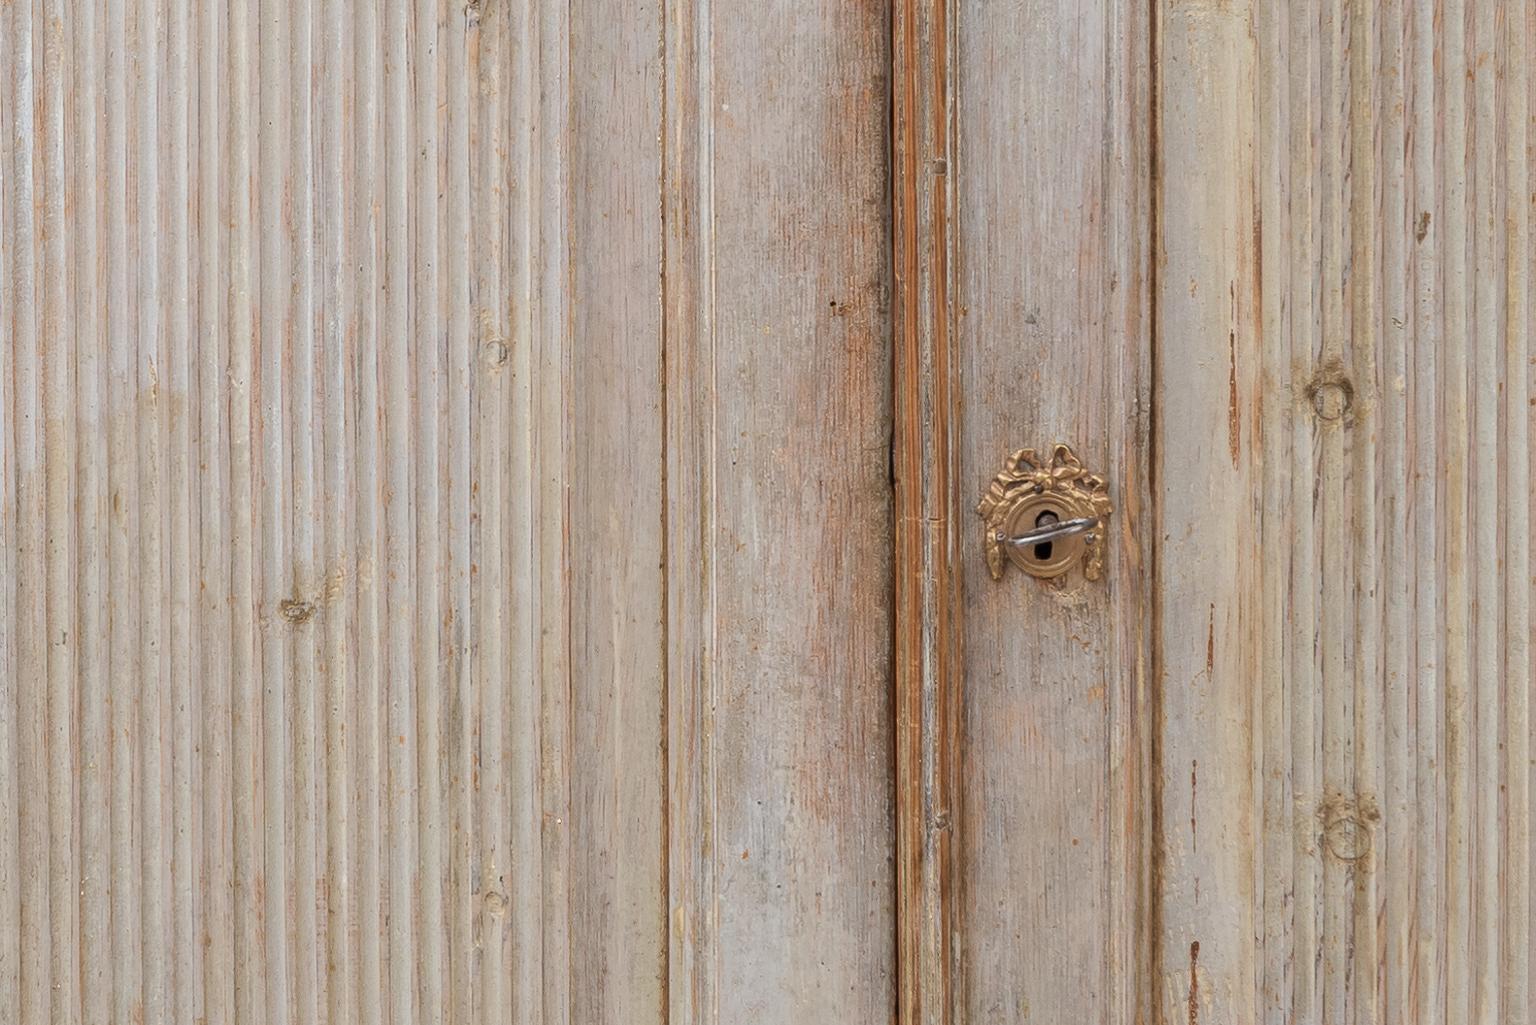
column 1081, row 372
column 1205, row 445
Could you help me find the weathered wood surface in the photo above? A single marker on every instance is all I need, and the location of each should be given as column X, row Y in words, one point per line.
column 929, row 530
column 1205, row 541
column 777, row 284
column 1319, row 402
column 445, row 513
column 1033, row 130
column 1344, row 275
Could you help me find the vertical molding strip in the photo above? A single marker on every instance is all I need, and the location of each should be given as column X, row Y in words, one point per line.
column 1519, row 280
column 689, row 370
column 928, row 667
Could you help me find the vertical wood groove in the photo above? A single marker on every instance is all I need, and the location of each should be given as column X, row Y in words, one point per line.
column 358, row 442
column 1396, row 345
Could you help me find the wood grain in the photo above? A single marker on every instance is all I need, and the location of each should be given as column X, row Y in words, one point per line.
column 779, row 609
column 1337, row 598
column 1049, row 174
column 445, row 513
column 928, row 527
column 1203, row 499
column 485, row 512
column 1391, row 729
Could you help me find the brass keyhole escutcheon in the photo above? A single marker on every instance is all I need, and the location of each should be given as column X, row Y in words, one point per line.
column 1046, row 516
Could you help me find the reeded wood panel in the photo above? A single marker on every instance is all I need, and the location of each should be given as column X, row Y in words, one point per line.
column 1344, row 207
column 445, row 492
column 1393, row 158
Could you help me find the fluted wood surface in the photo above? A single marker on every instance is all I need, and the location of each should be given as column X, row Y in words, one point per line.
column 1344, row 236
column 443, row 514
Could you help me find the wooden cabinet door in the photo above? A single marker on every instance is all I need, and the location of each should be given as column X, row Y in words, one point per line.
column 445, row 521
column 1268, row 270
column 1023, row 150
column 489, row 512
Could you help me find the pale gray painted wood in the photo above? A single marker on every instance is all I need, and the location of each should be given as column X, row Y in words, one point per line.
column 1344, row 195
column 1338, row 543
column 1049, row 176
column 1205, row 533
column 445, row 513
column 447, row 503
column 779, row 527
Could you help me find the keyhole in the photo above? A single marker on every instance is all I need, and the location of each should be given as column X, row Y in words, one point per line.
column 1045, row 519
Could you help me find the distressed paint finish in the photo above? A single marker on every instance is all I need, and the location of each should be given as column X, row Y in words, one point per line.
column 1335, row 416
column 430, row 437
column 1203, row 438
column 1047, row 174
column 1344, row 254
column 779, row 513
column 1392, row 170
column 451, row 544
